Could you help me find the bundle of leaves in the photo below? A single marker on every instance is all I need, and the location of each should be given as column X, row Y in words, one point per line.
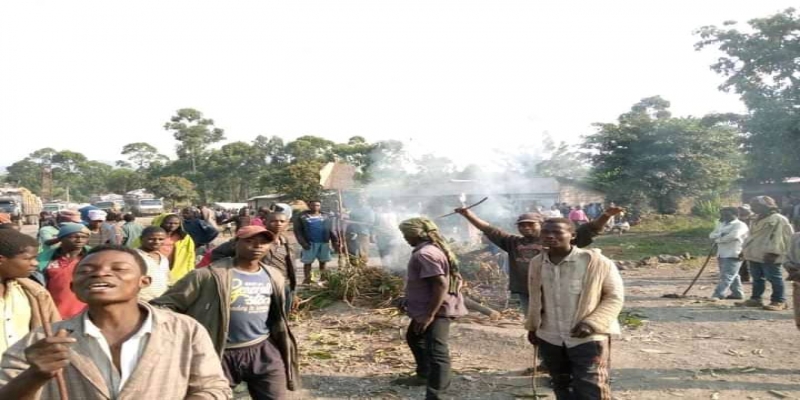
column 358, row 286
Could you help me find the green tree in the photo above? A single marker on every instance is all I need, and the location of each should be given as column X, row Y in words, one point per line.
column 761, row 65
column 142, row 155
column 194, row 134
column 300, row 180
column 649, row 158
column 174, row 188
column 561, row 161
column 122, row 180
column 27, row 173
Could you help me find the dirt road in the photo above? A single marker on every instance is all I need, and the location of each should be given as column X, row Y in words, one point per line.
column 687, row 348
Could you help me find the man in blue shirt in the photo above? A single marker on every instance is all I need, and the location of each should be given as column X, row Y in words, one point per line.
column 315, row 234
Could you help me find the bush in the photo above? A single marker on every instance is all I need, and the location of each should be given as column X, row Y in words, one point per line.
column 708, row 207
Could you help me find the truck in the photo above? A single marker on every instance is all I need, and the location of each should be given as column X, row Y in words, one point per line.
column 21, row 204
column 140, row 203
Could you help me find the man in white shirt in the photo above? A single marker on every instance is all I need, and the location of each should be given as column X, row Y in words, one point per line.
column 729, row 235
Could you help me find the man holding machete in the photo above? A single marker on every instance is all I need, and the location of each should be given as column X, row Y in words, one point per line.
column 524, row 247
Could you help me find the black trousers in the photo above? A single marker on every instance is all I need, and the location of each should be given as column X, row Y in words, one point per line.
column 432, row 355
column 580, row 372
column 260, row 366
column 744, row 271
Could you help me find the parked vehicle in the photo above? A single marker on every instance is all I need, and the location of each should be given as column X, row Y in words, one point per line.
column 113, row 205
column 54, row 207
column 140, row 207
column 21, row 204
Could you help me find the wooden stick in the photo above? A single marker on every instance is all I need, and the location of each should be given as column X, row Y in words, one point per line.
column 48, row 332
column 466, row 208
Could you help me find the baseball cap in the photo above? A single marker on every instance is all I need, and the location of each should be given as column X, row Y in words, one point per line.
column 529, row 217
column 249, row 231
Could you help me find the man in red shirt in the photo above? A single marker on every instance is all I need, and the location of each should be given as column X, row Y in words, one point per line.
column 57, row 265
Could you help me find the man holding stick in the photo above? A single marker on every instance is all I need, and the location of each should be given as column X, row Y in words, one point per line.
column 576, row 297
column 117, row 349
column 524, row 247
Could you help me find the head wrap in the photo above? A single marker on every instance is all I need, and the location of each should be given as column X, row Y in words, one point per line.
column 69, row 228
column 765, row 201
column 69, row 216
column 283, row 208
column 97, row 215
column 426, row 230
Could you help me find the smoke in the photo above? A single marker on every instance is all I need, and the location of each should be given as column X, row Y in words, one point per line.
column 412, row 184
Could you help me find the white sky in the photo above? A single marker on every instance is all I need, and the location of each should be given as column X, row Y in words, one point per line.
column 455, row 78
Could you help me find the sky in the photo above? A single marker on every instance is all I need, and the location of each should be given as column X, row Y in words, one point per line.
column 452, row 78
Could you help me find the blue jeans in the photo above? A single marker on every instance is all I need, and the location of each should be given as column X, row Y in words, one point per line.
column 729, row 278
column 762, row 272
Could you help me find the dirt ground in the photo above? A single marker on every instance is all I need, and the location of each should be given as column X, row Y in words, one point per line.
column 687, row 348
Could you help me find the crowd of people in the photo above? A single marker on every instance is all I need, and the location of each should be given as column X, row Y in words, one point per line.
column 99, row 307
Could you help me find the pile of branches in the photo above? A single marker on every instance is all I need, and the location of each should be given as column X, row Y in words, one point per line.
column 357, row 286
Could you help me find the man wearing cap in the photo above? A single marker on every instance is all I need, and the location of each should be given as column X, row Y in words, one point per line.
column 56, row 266
column 240, row 300
column 96, row 220
column 524, row 247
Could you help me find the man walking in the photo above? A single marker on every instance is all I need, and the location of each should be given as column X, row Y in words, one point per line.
column 240, row 300
column 765, row 250
column 576, row 297
column 315, row 234
column 729, row 235
column 433, row 300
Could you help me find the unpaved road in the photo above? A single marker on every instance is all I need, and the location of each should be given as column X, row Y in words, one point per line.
column 687, row 349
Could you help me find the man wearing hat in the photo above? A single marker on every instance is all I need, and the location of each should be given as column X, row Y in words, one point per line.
column 240, row 301
column 57, row 264
column 766, row 249
column 524, row 247
column 96, row 220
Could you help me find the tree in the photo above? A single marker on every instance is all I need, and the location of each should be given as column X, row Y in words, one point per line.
column 122, row 180
column 26, row 173
column 300, row 180
column 174, row 188
column 561, row 161
column 194, row 134
column 761, row 65
column 143, row 155
column 649, row 158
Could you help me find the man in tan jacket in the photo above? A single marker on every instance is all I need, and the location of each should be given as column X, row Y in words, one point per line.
column 118, row 348
column 765, row 250
column 576, row 296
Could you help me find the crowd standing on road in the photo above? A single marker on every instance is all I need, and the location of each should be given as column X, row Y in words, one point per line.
column 114, row 283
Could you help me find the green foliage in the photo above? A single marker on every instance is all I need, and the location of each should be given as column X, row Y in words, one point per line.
column 561, row 161
column 193, row 133
column 707, row 207
column 174, row 188
column 143, row 155
column 649, row 158
column 632, row 319
column 760, row 64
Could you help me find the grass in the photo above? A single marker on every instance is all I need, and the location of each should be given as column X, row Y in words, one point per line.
column 660, row 234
